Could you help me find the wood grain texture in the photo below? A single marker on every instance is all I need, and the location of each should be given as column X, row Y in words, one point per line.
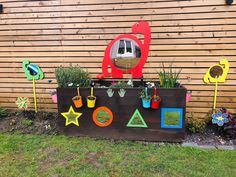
column 192, row 35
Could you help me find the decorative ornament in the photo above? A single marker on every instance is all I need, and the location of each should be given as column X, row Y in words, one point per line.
column 110, row 92
column 215, row 74
column 137, row 120
column 32, row 72
column 22, row 102
column 101, row 113
column 220, row 118
column 122, row 92
column 126, row 53
column 171, row 117
column 71, row 116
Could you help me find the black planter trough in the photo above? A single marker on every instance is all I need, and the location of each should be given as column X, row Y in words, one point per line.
column 123, row 108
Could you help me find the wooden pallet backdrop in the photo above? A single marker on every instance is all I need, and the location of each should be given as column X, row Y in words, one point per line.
column 192, row 34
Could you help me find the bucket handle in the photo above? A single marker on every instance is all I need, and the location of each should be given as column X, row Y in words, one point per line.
column 78, row 92
column 155, row 91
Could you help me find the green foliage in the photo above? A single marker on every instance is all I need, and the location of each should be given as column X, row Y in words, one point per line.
column 72, row 76
column 168, row 77
column 195, row 125
column 3, row 112
column 156, row 97
column 44, row 156
column 121, row 84
column 26, row 122
column 144, row 96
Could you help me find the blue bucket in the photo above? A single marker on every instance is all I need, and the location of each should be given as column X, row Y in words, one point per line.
column 146, row 103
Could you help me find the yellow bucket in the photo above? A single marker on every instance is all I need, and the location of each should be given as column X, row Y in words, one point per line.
column 91, row 100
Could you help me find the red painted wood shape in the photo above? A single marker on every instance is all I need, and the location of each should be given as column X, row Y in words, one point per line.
column 138, row 28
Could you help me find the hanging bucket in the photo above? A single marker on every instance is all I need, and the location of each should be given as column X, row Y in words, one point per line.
column 77, row 101
column 91, row 100
column 146, row 103
column 155, row 104
column 54, row 98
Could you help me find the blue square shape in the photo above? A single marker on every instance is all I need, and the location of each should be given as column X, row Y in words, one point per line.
column 172, row 110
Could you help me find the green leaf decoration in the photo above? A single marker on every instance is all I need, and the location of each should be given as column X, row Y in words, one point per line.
column 22, row 102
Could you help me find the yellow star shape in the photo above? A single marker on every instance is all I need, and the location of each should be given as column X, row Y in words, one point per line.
column 71, row 116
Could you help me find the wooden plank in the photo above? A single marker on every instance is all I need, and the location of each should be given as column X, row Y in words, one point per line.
column 102, row 19
column 140, row 5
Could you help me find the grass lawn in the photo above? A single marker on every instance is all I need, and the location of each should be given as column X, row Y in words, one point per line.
column 55, row 156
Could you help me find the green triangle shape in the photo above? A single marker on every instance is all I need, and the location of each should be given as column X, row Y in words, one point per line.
column 137, row 120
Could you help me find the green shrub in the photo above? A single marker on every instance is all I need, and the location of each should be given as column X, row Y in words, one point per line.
column 195, row 125
column 3, row 113
column 72, row 76
column 26, row 122
column 168, row 77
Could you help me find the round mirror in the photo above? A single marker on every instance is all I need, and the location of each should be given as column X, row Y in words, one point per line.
column 102, row 116
column 33, row 69
column 216, row 71
column 125, row 54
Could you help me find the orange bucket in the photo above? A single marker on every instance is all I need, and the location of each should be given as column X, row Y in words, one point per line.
column 77, row 101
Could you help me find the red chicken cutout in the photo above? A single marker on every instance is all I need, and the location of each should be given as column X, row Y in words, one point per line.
column 127, row 54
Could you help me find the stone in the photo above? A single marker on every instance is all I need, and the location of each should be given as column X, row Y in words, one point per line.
column 189, row 144
column 226, row 147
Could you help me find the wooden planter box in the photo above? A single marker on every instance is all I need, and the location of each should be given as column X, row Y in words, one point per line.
column 123, row 109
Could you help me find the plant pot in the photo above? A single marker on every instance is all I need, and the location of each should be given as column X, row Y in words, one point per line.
column 91, row 100
column 188, row 96
column 155, row 103
column 77, row 101
column 146, row 103
column 54, row 98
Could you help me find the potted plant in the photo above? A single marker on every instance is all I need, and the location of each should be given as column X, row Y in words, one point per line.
column 146, row 99
column 91, row 99
column 169, row 78
column 155, row 100
column 77, row 100
column 54, row 96
column 72, row 77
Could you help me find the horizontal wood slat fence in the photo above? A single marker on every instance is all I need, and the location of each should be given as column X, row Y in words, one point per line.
column 193, row 35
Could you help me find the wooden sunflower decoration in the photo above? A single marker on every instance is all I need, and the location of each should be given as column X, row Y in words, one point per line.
column 215, row 74
column 22, row 102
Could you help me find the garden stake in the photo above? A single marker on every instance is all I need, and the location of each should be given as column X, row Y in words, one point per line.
column 215, row 96
column 35, row 100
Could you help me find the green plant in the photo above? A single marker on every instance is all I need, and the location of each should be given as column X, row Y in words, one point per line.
column 168, row 78
column 121, row 84
column 195, row 125
column 156, row 97
column 26, row 122
column 144, row 96
column 72, row 76
column 3, row 112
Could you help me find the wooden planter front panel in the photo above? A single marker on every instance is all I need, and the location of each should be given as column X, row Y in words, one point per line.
column 123, row 109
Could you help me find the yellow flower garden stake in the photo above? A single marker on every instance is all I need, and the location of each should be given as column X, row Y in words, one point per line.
column 215, row 74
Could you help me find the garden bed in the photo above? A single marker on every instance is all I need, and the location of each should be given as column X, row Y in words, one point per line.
column 123, row 108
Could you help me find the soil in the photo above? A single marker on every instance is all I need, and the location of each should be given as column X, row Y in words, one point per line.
column 209, row 137
column 44, row 123
column 29, row 122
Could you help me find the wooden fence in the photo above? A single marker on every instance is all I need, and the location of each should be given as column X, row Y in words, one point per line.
column 192, row 35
